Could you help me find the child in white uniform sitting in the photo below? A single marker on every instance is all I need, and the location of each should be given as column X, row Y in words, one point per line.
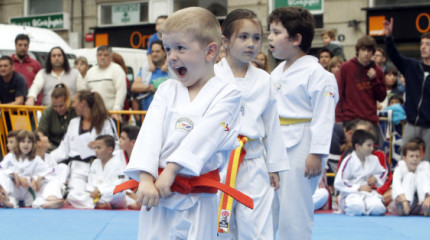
column 411, row 182
column 105, row 173
column 358, row 174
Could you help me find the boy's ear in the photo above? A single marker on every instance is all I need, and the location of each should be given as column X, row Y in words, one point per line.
column 211, row 51
column 297, row 40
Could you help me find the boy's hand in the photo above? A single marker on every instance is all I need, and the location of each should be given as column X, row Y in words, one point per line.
column 94, row 194
column 426, row 206
column 147, row 193
column 388, row 27
column 313, row 165
column 371, row 181
column 24, row 182
column 274, row 180
column 166, row 179
column 365, row 188
column 371, row 73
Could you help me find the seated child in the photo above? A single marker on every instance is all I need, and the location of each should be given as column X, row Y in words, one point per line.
column 11, row 140
column 357, row 174
column 105, row 173
column 411, row 182
column 126, row 143
column 52, row 192
column 26, row 172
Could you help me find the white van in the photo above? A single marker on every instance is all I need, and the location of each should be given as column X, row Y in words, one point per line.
column 41, row 42
column 134, row 58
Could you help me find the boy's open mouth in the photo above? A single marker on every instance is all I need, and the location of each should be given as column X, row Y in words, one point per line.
column 181, row 71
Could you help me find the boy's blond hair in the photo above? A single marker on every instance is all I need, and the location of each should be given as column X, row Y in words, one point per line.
column 330, row 33
column 196, row 20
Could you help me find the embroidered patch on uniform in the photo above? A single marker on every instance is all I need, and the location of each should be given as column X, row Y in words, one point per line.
column 225, row 126
column 277, row 85
column 224, row 220
column 184, row 124
column 242, row 110
column 329, row 91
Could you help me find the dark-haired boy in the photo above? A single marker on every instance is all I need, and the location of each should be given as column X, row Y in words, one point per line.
column 357, row 174
column 306, row 97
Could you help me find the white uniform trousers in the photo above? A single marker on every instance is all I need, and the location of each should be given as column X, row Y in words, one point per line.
column 296, row 208
column 415, row 183
column 252, row 180
column 320, row 198
column 196, row 222
column 79, row 171
column 84, row 200
column 363, row 203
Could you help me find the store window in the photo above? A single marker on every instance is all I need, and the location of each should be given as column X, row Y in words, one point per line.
column 217, row 7
column 37, row 7
column 123, row 13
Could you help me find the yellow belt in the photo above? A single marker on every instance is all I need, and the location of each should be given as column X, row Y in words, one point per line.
column 289, row 121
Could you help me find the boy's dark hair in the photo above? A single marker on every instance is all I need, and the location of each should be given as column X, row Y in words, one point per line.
column 410, row 146
column 296, row 20
column 396, row 96
column 22, row 36
column 131, row 131
column 425, row 35
column 108, row 140
column 161, row 16
column 5, row 57
column 13, row 133
column 48, row 64
column 105, row 48
column 324, row 49
column 419, row 141
column 381, row 50
column 391, row 70
column 159, row 42
column 351, row 125
column 360, row 136
column 366, row 42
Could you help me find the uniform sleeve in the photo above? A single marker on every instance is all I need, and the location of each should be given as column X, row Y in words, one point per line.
column 324, row 96
column 146, row 151
column 37, row 86
column 62, row 151
column 216, row 131
column 380, row 173
column 276, row 153
column 6, row 163
column 397, row 188
column 42, row 169
column 115, row 178
column 342, row 182
column 120, row 89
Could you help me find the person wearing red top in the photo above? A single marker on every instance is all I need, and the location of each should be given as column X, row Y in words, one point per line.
column 361, row 84
column 22, row 63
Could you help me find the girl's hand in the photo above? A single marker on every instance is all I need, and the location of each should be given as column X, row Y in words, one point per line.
column 371, row 181
column 147, row 193
column 365, row 188
column 36, row 184
column 274, row 180
column 166, row 179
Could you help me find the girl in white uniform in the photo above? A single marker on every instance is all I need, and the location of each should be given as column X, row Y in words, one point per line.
column 27, row 173
column 265, row 151
column 189, row 130
column 76, row 146
column 358, row 176
column 412, row 178
column 306, row 96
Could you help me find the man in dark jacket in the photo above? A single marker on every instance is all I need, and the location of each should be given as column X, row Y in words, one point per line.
column 417, row 79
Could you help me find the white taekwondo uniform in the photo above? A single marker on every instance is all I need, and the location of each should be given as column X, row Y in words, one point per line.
column 411, row 183
column 265, row 152
column 197, row 135
column 350, row 176
column 30, row 170
column 104, row 179
column 75, row 146
column 304, row 91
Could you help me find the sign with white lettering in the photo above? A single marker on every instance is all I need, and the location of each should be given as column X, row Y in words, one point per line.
column 314, row 6
column 126, row 13
column 51, row 21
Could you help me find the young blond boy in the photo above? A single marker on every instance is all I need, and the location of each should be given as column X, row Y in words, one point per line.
column 105, row 173
column 189, row 131
column 306, row 96
column 412, row 177
column 335, row 47
column 356, row 177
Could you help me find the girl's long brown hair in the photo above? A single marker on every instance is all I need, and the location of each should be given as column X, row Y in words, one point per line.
column 99, row 113
column 22, row 135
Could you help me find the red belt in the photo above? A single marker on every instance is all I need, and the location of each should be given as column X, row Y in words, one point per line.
column 206, row 183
